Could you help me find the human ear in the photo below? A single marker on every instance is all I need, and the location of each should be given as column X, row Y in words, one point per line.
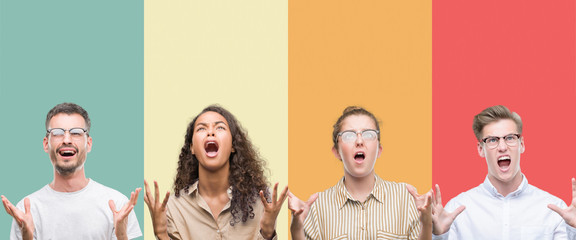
column 45, row 144
column 336, row 153
column 481, row 150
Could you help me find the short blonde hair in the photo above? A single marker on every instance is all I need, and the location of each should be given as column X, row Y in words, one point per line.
column 494, row 114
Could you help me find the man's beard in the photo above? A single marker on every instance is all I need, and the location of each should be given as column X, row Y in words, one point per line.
column 68, row 170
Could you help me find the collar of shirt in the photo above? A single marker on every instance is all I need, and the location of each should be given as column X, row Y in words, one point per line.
column 343, row 196
column 194, row 189
column 195, row 195
column 494, row 192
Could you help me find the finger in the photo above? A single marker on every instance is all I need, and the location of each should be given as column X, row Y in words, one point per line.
column 290, row 195
column 263, row 199
column 458, row 211
column 135, row 200
column 412, row 191
column 275, row 193
column 428, row 202
column 156, row 192
column 438, row 195
column 312, row 199
column 147, row 194
column 165, row 202
column 283, row 195
column 297, row 213
column 112, row 206
column 27, row 205
column 556, row 209
column 7, row 204
column 128, row 210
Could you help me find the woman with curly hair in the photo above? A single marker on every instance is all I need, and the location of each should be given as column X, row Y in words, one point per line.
column 219, row 180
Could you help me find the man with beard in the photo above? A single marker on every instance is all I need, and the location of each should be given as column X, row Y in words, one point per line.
column 72, row 206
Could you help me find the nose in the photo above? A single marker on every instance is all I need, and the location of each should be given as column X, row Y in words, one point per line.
column 67, row 137
column 210, row 131
column 359, row 140
column 502, row 146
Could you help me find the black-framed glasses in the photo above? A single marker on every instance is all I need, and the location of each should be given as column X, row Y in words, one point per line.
column 511, row 140
column 351, row 136
column 58, row 133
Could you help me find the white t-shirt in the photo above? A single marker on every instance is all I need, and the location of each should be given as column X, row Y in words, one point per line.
column 84, row 214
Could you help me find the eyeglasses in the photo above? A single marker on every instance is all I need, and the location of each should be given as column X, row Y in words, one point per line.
column 492, row 142
column 58, row 133
column 351, row 136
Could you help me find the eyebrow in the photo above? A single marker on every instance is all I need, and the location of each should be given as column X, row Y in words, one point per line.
column 206, row 124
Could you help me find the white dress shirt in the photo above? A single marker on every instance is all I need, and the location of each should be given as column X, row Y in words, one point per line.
column 522, row 215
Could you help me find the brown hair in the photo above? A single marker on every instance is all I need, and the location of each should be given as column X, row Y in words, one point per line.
column 494, row 114
column 246, row 168
column 349, row 111
column 69, row 109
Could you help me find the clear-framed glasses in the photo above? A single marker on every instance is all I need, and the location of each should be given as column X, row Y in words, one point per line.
column 492, row 142
column 58, row 133
column 351, row 136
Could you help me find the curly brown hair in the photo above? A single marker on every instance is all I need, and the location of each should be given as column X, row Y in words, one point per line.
column 246, row 168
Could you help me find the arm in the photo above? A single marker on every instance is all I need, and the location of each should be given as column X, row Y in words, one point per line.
column 299, row 211
column 271, row 211
column 121, row 216
column 24, row 219
column 157, row 211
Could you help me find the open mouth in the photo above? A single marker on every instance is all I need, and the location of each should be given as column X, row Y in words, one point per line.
column 504, row 162
column 67, row 151
column 211, row 148
column 359, row 157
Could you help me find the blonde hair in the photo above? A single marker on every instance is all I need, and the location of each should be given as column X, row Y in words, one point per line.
column 494, row 114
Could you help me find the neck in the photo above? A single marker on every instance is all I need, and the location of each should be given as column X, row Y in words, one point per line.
column 506, row 188
column 69, row 183
column 211, row 184
column 359, row 187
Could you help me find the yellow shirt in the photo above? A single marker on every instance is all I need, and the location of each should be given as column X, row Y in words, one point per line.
column 389, row 212
column 189, row 218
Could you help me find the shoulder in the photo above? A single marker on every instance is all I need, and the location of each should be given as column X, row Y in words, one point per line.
column 474, row 194
column 545, row 197
column 101, row 190
column 39, row 194
column 329, row 193
column 397, row 190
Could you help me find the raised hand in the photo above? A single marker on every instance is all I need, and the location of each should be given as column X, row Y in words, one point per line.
column 441, row 218
column 569, row 214
column 157, row 210
column 423, row 204
column 121, row 216
column 271, row 211
column 24, row 219
column 299, row 211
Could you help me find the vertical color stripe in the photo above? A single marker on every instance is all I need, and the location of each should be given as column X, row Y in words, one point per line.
column 201, row 53
column 89, row 53
column 516, row 53
column 376, row 54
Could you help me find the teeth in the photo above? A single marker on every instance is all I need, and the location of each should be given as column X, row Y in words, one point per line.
column 504, row 158
column 359, row 154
